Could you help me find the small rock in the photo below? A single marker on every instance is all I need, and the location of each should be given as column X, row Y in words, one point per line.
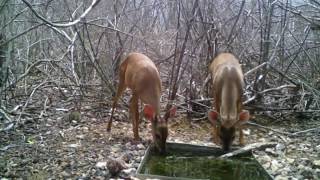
column 136, row 165
column 285, row 171
column 307, row 144
column 292, row 178
column 265, row 159
column 305, row 161
column 129, row 171
column 290, row 160
column 247, row 132
column 128, row 145
column 138, row 159
column 271, row 151
column 193, row 142
column 74, row 145
column 101, row 173
column 300, row 167
column 275, row 165
column 141, row 152
column 307, row 168
column 262, row 139
column 280, row 147
column 135, row 153
column 85, row 128
column 64, row 164
column 80, row 136
column 115, row 149
column 266, row 165
column 140, row 146
column 281, row 177
column 65, row 174
column 134, row 178
column 101, row 165
column 177, row 141
column 316, row 163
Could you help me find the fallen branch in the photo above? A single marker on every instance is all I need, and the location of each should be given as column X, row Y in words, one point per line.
column 8, row 147
column 76, row 21
column 282, row 132
column 264, row 127
column 268, row 90
column 278, row 88
column 8, row 127
column 267, row 108
column 248, row 148
column 305, row 131
column 249, row 100
column 203, row 100
column 255, row 69
column 200, row 119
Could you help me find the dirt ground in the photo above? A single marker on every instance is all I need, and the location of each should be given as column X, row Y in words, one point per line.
column 72, row 145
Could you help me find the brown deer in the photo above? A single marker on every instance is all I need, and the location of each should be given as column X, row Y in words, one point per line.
column 228, row 85
column 140, row 74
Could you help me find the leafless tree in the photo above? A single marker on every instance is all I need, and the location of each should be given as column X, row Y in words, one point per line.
column 71, row 50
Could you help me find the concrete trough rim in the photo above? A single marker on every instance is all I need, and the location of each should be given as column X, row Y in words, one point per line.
column 184, row 146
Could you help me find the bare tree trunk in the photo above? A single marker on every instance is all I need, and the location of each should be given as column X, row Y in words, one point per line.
column 266, row 17
column 176, row 70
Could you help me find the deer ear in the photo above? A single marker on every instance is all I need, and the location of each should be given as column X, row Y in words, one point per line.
column 213, row 117
column 244, row 116
column 149, row 112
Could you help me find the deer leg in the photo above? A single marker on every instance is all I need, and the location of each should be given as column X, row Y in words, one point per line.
column 135, row 116
column 241, row 138
column 216, row 128
column 215, row 135
column 121, row 88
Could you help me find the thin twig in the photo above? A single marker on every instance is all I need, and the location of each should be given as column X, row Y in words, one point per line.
column 255, row 69
column 248, row 148
column 30, row 97
column 193, row 101
column 72, row 23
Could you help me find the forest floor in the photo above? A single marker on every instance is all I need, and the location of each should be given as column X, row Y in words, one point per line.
column 64, row 145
